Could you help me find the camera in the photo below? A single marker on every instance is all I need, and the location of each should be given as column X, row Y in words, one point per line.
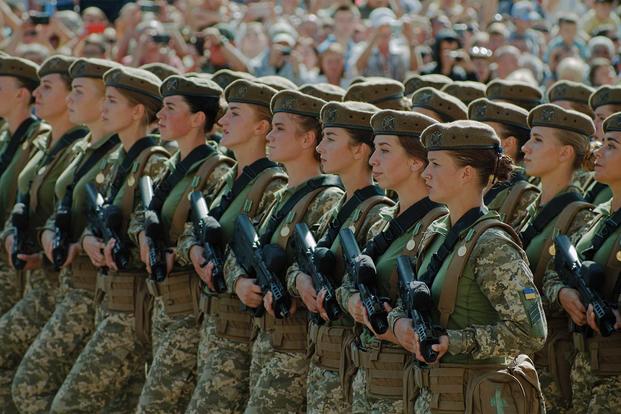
column 162, row 39
column 39, row 18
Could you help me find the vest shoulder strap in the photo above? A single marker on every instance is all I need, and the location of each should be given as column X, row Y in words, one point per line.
column 456, row 267
column 297, row 213
column 263, row 180
column 515, row 194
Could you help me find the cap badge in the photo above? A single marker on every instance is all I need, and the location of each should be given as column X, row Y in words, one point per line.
column 435, row 139
column 547, row 114
column 389, row 123
column 288, row 103
column 330, row 114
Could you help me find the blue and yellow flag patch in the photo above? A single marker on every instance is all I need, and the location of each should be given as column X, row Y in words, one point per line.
column 530, row 293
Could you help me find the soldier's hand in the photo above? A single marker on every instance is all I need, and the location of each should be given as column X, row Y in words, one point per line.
column 268, row 303
column 386, row 336
column 74, row 250
column 33, row 261
column 593, row 324
column 170, row 260
column 94, row 247
column 355, row 308
column 144, row 250
column 203, row 269
column 319, row 302
column 404, row 332
column 441, row 348
column 249, row 292
column 108, row 255
column 304, row 285
column 8, row 245
column 570, row 301
column 46, row 241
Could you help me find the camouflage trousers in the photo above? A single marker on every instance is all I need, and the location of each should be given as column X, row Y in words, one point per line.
column 592, row 393
column 18, row 329
column 11, row 288
column 109, row 372
column 423, row 402
column 324, row 393
column 223, row 374
column 553, row 398
column 50, row 357
column 277, row 379
column 363, row 403
column 172, row 374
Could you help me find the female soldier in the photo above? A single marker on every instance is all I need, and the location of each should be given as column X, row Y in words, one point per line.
column 48, row 158
column 189, row 111
column 18, row 79
column 279, row 365
column 116, row 351
column 596, row 373
column 558, row 146
column 49, row 358
column 250, row 188
column 344, row 150
column 438, row 105
column 509, row 198
column 397, row 164
column 482, row 295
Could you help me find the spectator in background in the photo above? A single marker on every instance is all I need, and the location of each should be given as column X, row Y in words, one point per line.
column 566, row 39
column 507, row 60
column 278, row 58
column 251, row 39
column 345, row 20
column 332, row 67
column 498, row 35
column 450, row 59
column 572, row 69
column 601, row 14
column 602, row 73
column 601, row 47
column 523, row 15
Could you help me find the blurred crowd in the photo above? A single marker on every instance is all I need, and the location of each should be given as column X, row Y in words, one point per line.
column 331, row 41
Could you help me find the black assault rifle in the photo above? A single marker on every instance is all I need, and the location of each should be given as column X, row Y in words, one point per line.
column 19, row 220
column 62, row 228
column 154, row 232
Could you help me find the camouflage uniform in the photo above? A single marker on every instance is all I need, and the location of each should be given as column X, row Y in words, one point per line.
column 507, row 322
column 278, row 378
column 538, row 259
column 20, row 325
column 114, row 356
column 50, row 357
column 223, row 363
column 11, row 282
column 172, row 374
column 324, row 392
column 593, row 391
column 520, row 210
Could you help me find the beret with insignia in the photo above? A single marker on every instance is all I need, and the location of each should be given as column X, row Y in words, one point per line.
column 350, row 115
column 56, row 64
column 384, row 93
column 565, row 90
column 400, row 123
column 19, row 68
column 294, row 102
column 613, row 123
column 484, row 110
column 515, row 92
column 193, row 86
column 91, row 68
column 460, row 135
column 605, row 95
column 250, row 92
column 416, row 82
column 277, row 82
column 161, row 70
column 134, row 80
column 553, row 116
column 447, row 106
column 224, row 77
column 465, row 91
column 325, row 91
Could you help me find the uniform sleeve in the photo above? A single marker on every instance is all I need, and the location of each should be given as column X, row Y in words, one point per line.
column 155, row 168
column 520, row 211
column 552, row 283
column 503, row 275
column 320, row 209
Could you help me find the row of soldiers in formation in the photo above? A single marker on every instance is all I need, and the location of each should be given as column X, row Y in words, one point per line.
column 286, row 280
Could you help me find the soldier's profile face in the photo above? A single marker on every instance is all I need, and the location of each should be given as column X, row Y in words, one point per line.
column 239, row 124
column 8, row 93
column 286, row 141
column 117, row 111
column 390, row 163
column 443, row 177
column 608, row 159
column 542, row 152
column 50, row 97
column 175, row 120
column 336, row 150
column 85, row 100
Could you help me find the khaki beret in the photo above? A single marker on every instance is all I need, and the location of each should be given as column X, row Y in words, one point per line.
column 350, row 115
column 134, row 80
column 19, row 68
column 442, row 103
column 569, row 91
column 605, row 95
column 224, row 77
column 161, row 70
column 190, row 86
column 56, row 64
column 295, row 102
column 612, row 123
column 553, row 116
column 360, row 78
column 91, row 68
column 250, row 92
column 325, row 91
column 416, row 82
column 465, row 91
column 375, row 92
column 277, row 82
column 400, row 123
column 460, row 135
column 515, row 92
column 484, row 110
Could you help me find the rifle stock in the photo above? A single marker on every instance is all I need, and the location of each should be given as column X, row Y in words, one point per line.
column 153, row 232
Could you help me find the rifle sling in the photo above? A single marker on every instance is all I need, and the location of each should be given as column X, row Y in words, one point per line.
column 18, row 137
column 398, row 226
column 180, row 170
column 452, row 237
column 125, row 167
column 592, row 194
column 348, row 208
column 547, row 214
column 311, row 185
column 611, row 224
column 249, row 173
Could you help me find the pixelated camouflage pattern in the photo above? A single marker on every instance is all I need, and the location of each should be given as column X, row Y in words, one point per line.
column 10, row 286
column 172, row 374
column 324, row 394
column 364, row 404
column 594, row 394
column 553, row 398
column 223, row 374
column 520, row 210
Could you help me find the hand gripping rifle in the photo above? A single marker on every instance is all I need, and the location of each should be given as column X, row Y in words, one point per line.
column 19, row 221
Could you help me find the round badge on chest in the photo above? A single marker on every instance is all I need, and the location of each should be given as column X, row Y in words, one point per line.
column 411, row 245
column 619, row 256
column 99, row 178
column 552, row 250
column 284, row 232
column 131, row 181
column 461, row 252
